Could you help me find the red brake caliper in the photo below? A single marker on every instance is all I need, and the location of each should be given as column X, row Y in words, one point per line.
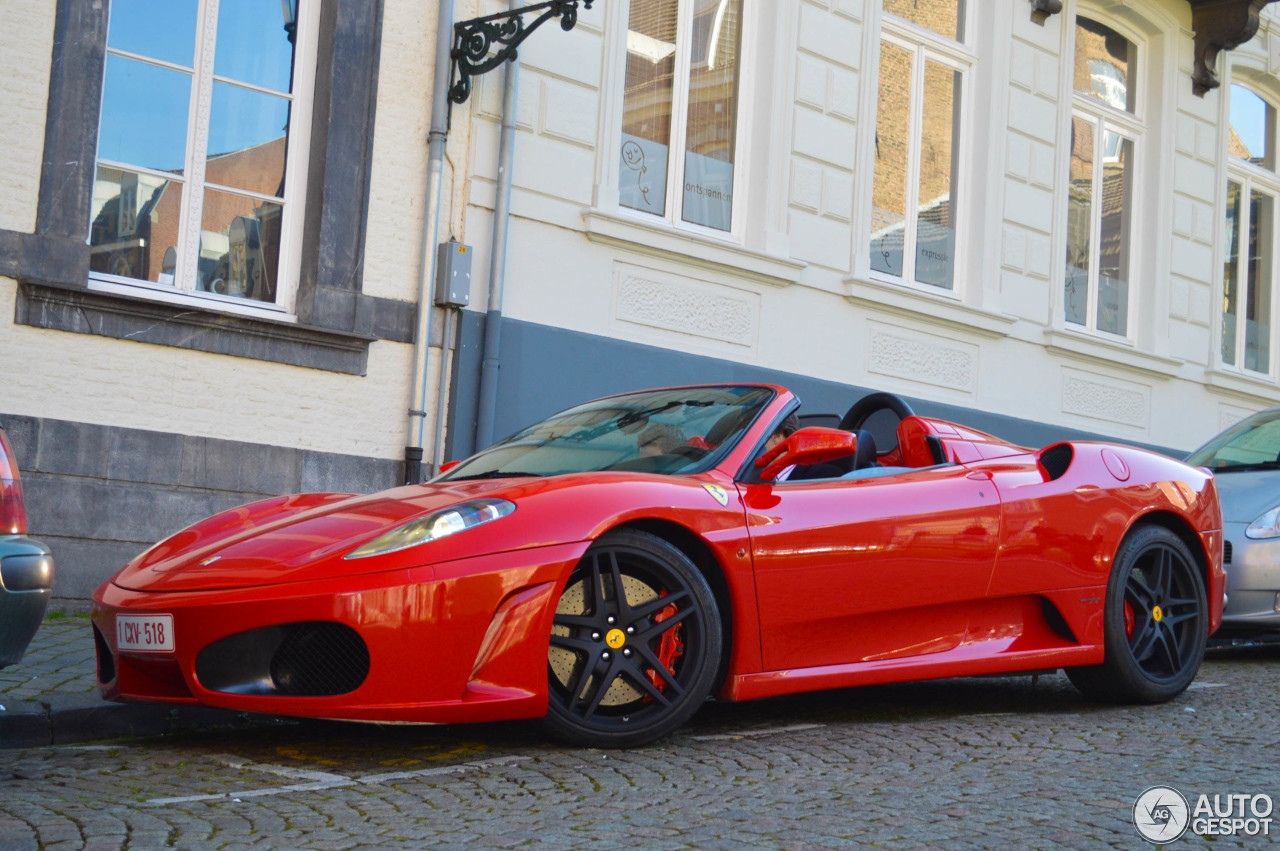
column 670, row 648
column 1128, row 619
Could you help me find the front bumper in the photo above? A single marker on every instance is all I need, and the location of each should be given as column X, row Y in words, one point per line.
column 26, row 583
column 1253, row 582
column 458, row 641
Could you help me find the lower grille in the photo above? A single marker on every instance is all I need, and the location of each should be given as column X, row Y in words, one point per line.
column 1226, row 552
column 307, row 659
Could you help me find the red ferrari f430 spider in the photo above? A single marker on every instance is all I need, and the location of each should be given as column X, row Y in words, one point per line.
column 612, row 567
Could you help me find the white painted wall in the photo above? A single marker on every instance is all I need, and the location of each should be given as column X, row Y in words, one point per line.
column 26, row 44
column 785, row 290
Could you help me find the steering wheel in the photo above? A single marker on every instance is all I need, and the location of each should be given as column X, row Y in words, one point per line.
column 872, row 404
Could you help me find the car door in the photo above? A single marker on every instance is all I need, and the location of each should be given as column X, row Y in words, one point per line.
column 865, row 569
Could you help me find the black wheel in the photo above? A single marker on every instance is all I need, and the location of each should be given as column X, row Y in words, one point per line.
column 1156, row 622
column 635, row 645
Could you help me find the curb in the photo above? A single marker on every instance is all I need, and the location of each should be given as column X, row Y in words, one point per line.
column 71, row 719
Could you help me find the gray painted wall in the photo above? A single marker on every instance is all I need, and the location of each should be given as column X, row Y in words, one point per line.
column 99, row 495
column 546, row 369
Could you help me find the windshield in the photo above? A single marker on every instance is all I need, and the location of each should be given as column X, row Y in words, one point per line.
column 1252, row 443
column 683, row 430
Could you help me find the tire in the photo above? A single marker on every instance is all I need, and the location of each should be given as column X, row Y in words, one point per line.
column 625, row 669
column 1156, row 622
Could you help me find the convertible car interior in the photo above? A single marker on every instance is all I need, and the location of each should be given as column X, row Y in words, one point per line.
column 892, row 439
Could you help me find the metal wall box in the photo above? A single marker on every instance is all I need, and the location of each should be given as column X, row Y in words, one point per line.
column 453, row 274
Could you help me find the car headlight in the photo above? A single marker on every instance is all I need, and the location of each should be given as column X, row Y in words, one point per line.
column 436, row 525
column 1266, row 526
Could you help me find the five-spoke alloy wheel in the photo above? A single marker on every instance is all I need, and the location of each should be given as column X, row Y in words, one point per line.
column 635, row 645
column 1156, row 622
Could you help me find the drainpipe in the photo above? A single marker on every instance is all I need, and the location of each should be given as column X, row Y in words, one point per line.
column 430, row 236
column 488, row 395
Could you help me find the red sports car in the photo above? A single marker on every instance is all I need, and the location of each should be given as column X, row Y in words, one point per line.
column 611, row 567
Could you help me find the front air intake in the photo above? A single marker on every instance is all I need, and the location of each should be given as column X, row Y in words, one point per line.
column 307, row 659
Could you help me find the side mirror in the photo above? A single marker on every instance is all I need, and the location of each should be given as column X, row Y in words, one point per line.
column 449, row 465
column 807, row 446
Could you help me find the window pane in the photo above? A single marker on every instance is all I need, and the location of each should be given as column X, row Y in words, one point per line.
column 1079, row 220
column 144, row 115
column 134, row 229
column 1231, row 275
column 712, row 124
column 646, row 105
column 1253, row 122
column 239, row 246
column 253, row 44
column 247, row 135
column 1113, row 243
column 945, row 17
column 1105, row 64
column 935, row 220
column 1257, row 325
column 160, row 29
column 893, row 141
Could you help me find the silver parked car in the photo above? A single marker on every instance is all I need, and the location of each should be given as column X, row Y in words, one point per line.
column 1245, row 460
column 26, row 566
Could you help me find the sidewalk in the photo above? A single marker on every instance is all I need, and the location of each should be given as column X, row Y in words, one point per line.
column 51, row 696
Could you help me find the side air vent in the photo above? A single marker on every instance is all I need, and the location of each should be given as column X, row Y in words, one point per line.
column 1056, row 622
column 1055, row 460
column 1226, row 552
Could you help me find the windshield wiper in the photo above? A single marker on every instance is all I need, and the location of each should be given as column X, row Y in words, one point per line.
column 1241, row 468
column 498, row 474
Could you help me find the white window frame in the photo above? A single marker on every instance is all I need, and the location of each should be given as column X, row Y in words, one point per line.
column 183, row 291
column 611, row 130
column 1131, row 126
column 958, row 55
column 1251, row 177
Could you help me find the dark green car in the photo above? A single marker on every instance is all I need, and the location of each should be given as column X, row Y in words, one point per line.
column 26, row 565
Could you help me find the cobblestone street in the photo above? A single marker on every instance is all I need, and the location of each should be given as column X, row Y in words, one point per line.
column 992, row 762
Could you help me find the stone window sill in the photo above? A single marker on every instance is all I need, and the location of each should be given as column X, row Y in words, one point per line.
column 935, row 309
column 1262, row 387
column 1088, row 347
column 662, row 240
column 67, row 307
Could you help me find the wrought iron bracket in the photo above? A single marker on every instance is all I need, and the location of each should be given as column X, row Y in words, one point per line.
column 1220, row 25
column 473, row 39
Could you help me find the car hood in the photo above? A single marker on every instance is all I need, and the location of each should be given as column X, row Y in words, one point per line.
column 297, row 545
column 1247, row 494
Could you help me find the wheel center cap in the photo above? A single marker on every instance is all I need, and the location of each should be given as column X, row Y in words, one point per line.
column 1158, row 614
column 615, row 638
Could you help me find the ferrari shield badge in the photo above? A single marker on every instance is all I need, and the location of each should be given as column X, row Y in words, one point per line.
column 719, row 493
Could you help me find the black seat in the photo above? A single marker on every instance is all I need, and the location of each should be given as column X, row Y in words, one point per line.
column 865, row 455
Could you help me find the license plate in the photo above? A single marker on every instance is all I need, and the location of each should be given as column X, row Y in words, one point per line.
column 148, row 633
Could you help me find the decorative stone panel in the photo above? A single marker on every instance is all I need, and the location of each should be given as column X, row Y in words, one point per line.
column 684, row 305
column 926, row 358
column 1100, row 397
column 1229, row 415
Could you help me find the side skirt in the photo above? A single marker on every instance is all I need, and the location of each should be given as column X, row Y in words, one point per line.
column 986, row 657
